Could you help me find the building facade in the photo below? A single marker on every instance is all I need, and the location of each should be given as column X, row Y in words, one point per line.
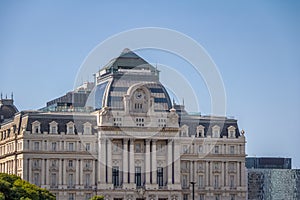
column 134, row 144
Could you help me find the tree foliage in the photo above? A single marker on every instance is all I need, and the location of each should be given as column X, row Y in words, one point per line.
column 97, row 198
column 13, row 187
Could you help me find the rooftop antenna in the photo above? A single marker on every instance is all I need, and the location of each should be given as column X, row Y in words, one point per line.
column 183, row 101
column 12, row 95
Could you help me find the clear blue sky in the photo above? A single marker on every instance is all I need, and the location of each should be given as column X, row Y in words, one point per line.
column 255, row 45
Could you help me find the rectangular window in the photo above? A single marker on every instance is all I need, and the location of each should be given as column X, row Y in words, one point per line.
column 138, row 148
column 231, row 181
column 87, row 130
column 88, row 146
column 185, row 197
column 231, row 150
column 71, row 163
column 88, row 196
column 201, row 197
column 53, row 129
column 200, row 181
column 36, row 179
column 71, row 196
column 184, row 181
column 216, row 149
column 70, row 180
column 70, row 130
column 216, row 181
column 53, row 146
column 115, row 176
column 160, row 176
column 71, row 146
column 138, row 176
column 53, row 179
column 36, row 146
column 200, row 149
column 87, row 180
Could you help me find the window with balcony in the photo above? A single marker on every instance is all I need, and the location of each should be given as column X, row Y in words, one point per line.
column 160, row 176
column 138, row 176
column 53, row 180
column 36, row 179
column 70, row 180
column 216, row 181
column 115, row 176
column 87, row 180
column 201, row 181
column 231, row 180
column 71, row 196
column 184, row 181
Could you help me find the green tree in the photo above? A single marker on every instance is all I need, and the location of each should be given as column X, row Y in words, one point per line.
column 13, row 187
column 97, row 198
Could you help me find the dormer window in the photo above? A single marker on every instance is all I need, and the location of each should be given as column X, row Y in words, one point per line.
column 53, row 127
column 200, row 131
column 231, row 132
column 70, row 128
column 87, row 128
column 184, row 131
column 36, row 127
column 216, row 131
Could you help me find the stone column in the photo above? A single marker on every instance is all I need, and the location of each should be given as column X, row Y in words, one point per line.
column 64, row 171
column 243, row 174
column 226, row 174
column 125, row 161
column 102, row 161
column 131, row 158
column 47, row 182
column 170, row 161
column 43, row 172
column 154, row 163
column 81, row 172
column 77, row 172
column 60, row 168
column 238, row 184
column 207, row 174
column 177, row 163
column 109, row 162
column 222, row 180
column 147, row 162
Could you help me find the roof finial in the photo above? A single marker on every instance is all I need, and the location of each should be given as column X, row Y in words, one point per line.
column 5, row 96
column 1, row 95
column 183, row 101
column 12, row 95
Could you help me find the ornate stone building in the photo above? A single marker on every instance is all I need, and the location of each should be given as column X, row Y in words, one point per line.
column 127, row 141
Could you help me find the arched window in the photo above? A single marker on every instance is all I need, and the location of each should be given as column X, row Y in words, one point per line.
column 36, row 127
column 87, row 128
column 216, row 131
column 184, row 131
column 70, row 128
column 231, row 132
column 53, row 127
column 200, row 131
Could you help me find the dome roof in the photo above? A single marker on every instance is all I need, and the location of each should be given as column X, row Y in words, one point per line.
column 7, row 111
column 117, row 79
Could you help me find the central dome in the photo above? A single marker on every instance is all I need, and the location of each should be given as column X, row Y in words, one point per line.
column 125, row 75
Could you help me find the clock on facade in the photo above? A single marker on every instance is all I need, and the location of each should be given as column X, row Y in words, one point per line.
column 139, row 95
